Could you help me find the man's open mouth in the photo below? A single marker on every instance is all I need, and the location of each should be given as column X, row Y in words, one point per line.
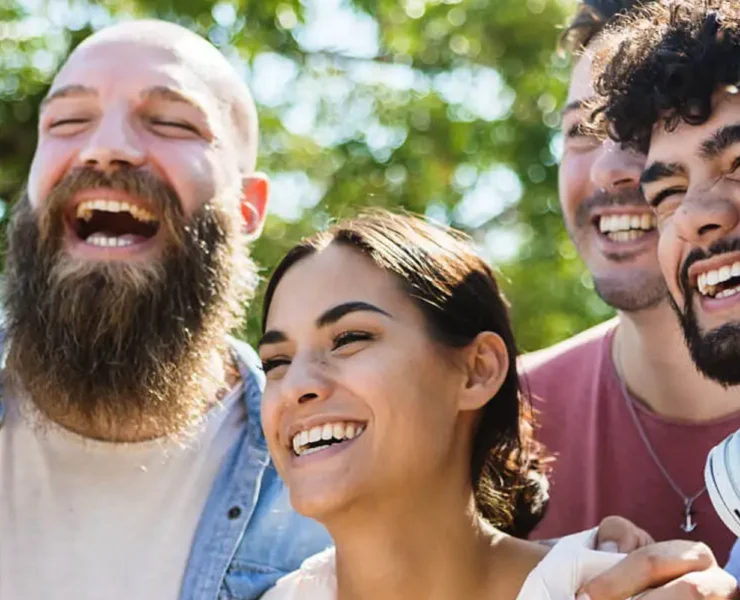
column 719, row 282
column 626, row 227
column 110, row 223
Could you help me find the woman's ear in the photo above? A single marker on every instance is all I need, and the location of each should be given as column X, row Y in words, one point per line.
column 486, row 366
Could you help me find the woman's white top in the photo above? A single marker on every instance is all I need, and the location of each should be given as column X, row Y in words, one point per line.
column 558, row 576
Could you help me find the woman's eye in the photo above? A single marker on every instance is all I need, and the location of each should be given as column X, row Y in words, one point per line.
column 349, row 337
column 273, row 363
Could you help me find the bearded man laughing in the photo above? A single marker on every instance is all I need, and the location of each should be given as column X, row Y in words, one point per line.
column 132, row 460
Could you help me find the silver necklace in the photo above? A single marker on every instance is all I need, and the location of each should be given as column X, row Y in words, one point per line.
column 688, row 524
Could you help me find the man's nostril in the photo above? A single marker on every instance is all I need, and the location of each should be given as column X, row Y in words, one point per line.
column 307, row 397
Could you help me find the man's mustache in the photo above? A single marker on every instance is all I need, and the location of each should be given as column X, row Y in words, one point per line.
column 604, row 199
column 722, row 246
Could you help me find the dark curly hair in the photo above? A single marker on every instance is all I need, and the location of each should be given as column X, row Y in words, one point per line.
column 590, row 18
column 458, row 295
column 662, row 64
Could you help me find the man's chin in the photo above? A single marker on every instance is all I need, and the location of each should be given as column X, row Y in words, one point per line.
column 630, row 291
column 715, row 350
column 717, row 354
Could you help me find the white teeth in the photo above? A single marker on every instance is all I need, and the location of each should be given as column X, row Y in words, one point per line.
column 98, row 239
column 706, row 281
column 728, row 293
column 84, row 209
column 625, row 223
column 339, row 432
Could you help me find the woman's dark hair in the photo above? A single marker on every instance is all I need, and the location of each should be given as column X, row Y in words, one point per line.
column 590, row 18
column 663, row 64
column 458, row 295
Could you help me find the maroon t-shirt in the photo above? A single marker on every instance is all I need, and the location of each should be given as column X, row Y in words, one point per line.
column 602, row 466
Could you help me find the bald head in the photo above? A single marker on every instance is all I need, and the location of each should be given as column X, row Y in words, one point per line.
column 206, row 67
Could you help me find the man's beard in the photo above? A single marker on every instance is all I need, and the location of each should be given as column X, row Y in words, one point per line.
column 715, row 353
column 641, row 290
column 116, row 345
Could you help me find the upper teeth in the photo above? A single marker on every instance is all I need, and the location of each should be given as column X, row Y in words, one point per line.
column 627, row 222
column 328, row 431
column 86, row 208
column 706, row 281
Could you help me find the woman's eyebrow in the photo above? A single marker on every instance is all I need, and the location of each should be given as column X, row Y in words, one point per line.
column 334, row 314
column 272, row 337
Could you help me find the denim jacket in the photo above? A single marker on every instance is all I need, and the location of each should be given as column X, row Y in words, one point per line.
column 248, row 535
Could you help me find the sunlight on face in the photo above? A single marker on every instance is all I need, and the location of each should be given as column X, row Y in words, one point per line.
column 692, row 180
column 360, row 403
column 606, row 216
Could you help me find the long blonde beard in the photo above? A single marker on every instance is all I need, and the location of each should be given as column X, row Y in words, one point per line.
column 118, row 351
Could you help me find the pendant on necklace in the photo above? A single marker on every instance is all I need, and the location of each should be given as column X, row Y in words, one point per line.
column 689, row 524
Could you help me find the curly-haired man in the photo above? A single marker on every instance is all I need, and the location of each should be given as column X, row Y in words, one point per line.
column 632, row 420
column 668, row 82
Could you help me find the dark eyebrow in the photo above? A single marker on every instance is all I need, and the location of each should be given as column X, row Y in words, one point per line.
column 330, row 316
column 66, row 92
column 575, row 105
column 660, row 170
column 272, row 337
column 334, row 314
column 720, row 140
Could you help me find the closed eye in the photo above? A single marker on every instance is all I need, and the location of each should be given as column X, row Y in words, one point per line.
column 663, row 194
column 349, row 337
column 174, row 125
column 273, row 363
column 62, row 122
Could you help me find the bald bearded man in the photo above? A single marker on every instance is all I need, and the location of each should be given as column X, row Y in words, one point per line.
column 132, row 461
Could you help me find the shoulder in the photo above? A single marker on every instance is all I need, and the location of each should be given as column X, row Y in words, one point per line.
column 579, row 349
column 248, row 358
column 569, row 564
column 315, row 580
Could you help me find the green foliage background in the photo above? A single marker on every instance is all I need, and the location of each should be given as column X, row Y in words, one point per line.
column 453, row 113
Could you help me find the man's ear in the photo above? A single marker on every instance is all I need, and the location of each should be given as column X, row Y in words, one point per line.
column 486, row 367
column 253, row 203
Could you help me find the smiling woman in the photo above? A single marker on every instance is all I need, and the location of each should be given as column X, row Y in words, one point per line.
column 393, row 411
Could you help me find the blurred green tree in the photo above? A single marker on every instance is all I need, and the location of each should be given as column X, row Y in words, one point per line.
column 447, row 108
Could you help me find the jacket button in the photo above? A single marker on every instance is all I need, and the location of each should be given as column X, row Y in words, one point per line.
column 234, row 512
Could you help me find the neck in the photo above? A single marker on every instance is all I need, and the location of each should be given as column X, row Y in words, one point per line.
column 651, row 356
column 404, row 552
column 222, row 375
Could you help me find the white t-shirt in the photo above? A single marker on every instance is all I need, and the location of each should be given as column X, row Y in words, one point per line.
column 558, row 576
column 89, row 520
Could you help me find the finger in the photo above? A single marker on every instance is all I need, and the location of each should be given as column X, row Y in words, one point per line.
column 712, row 584
column 616, row 534
column 649, row 567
